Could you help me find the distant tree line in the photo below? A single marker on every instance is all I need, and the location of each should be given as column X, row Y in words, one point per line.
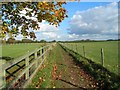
column 88, row 40
column 12, row 41
column 25, row 40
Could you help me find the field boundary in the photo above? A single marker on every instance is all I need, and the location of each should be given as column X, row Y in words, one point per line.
column 99, row 53
column 31, row 77
column 30, row 67
column 105, row 78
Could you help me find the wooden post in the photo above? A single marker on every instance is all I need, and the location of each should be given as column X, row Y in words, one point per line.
column 35, row 55
column 76, row 48
column 102, row 57
column 69, row 46
column 40, row 55
column 84, row 51
column 1, row 68
column 27, row 64
column 72, row 47
column 36, row 58
column 2, row 75
column 42, row 52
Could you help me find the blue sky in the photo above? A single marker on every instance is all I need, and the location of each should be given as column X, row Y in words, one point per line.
column 73, row 7
column 86, row 20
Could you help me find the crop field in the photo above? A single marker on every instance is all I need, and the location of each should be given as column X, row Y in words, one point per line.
column 93, row 51
column 16, row 50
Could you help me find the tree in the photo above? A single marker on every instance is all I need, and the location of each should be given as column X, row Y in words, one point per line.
column 26, row 41
column 18, row 41
column 42, row 41
column 53, row 41
column 15, row 23
column 11, row 40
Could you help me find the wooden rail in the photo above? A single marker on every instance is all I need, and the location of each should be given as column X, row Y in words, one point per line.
column 37, row 62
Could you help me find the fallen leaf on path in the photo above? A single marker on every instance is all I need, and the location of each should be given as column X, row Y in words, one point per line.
column 71, row 71
column 72, row 78
column 43, row 79
column 53, row 86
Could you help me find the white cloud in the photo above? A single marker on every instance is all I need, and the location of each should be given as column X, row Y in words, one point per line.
column 73, row 36
column 50, row 32
column 99, row 22
column 95, row 23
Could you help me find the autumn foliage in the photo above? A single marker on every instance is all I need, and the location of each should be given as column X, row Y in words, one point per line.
column 55, row 74
column 15, row 23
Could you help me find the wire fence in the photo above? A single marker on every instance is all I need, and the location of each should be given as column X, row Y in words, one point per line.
column 98, row 57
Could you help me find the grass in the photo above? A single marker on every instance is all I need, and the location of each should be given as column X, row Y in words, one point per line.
column 105, row 78
column 93, row 52
column 45, row 72
column 17, row 50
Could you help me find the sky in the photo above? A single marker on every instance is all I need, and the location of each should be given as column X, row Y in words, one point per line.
column 86, row 20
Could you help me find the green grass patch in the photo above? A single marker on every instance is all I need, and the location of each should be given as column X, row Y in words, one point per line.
column 93, row 52
column 106, row 79
column 46, row 72
column 17, row 50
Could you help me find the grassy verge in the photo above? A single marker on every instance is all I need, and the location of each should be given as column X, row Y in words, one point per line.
column 106, row 79
column 93, row 52
column 43, row 78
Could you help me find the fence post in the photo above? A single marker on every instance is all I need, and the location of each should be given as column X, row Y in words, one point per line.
column 27, row 64
column 84, row 51
column 2, row 76
column 36, row 58
column 102, row 57
column 42, row 53
column 45, row 51
column 72, row 47
column 76, row 48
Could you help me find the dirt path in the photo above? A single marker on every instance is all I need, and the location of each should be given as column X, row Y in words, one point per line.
column 68, row 74
column 62, row 72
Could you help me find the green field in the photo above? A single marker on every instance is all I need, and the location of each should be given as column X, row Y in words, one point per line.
column 93, row 52
column 17, row 50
